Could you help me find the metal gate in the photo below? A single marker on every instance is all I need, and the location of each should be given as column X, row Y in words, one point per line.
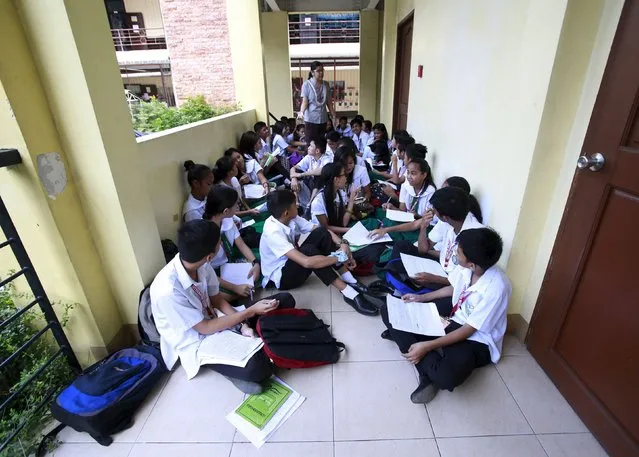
column 52, row 324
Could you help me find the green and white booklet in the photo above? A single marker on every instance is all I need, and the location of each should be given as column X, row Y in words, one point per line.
column 259, row 416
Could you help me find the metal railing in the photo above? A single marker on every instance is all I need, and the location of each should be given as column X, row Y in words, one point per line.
column 137, row 39
column 52, row 325
column 313, row 31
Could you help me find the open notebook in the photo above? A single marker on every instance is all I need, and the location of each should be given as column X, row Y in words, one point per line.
column 228, row 348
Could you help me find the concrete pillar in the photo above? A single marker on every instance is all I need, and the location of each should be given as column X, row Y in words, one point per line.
column 277, row 63
column 368, row 64
column 70, row 44
column 389, row 44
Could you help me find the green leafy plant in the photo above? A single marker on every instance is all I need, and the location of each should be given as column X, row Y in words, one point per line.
column 12, row 377
column 155, row 116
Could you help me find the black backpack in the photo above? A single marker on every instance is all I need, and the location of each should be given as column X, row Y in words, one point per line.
column 146, row 323
column 296, row 338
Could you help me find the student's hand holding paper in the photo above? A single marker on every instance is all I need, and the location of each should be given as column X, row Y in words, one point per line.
column 254, row 212
column 354, row 192
column 243, row 290
column 254, row 272
column 427, row 218
column 245, row 330
column 425, row 278
column 377, row 233
column 245, row 179
column 264, row 306
column 416, row 352
column 388, row 205
column 408, row 298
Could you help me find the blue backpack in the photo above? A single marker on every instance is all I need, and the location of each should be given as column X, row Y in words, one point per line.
column 397, row 278
column 104, row 398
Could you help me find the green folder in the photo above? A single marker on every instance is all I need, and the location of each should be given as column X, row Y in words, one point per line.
column 258, row 409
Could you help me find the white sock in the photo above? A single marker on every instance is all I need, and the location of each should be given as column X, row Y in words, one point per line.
column 348, row 278
column 349, row 292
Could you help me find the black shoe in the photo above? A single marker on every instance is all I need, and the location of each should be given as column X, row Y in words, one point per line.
column 425, row 391
column 380, row 287
column 361, row 304
column 386, row 335
column 362, row 289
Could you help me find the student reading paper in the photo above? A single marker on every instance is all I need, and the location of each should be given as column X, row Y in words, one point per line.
column 185, row 298
column 475, row 331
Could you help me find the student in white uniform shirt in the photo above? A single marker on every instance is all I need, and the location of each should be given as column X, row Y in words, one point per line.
column 332, row 142
column 200, row 179
column 278, row 141
column 356, row 175
column 397, row 174
column 250, row 143
column 263, row 132
column 305, row 173
column 343, row 128
column 359, row 137
column 224, row 173
column 287, row 265
column 220, row 208
column 185, row 299
column 475, row 331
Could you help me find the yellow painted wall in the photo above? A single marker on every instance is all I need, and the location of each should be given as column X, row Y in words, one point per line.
column 74, row 54
column 368, row 62
column 246, row 52
column 277, row 62
column 387, row 77
column 163, row 155
column 151, row 13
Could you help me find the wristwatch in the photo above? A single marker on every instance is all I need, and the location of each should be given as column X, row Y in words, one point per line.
column 255, row 261
column 344, row 241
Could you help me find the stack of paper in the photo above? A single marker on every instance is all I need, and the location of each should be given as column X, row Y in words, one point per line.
column 259, row 416
column 399, row 216
column 358, row 235
column 248, row 223
column 416, row 265
column 421, row 318
column 236, row 273
column 228, row 348
column 254, row 191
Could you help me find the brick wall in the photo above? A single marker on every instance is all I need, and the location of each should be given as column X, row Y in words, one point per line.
column 197, row 40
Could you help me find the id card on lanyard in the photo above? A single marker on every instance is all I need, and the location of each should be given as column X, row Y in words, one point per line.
column 204, row 300
column 450, row 255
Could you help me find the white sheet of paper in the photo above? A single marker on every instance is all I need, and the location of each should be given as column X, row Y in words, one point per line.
column 277, row 151
column 262, row 208
column 421, row 318
column 254, row 191
column 370, row 161
column 386, row 183
column 416, row 265
column 228, row 348
column 236, row 273
column 248, row 223
column 399, row 216
column 357, row 235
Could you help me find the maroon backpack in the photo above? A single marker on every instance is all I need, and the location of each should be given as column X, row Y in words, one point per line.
column 297, row 338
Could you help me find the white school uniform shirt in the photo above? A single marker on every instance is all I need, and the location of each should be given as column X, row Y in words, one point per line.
column 407, row 195
column 361, row 140
column 330, row 153
column 177, row 304
column 318, row 207
column 368, row 154
column 309, row 163
column 346, row 131
column 360, row 178
column 359, row 160
column 436, row 235
column 252, row 168
column 278, row 239
column 230, row 231
column 448, row 252
column 280, row 142
column 400, row 164
column 264, row 150
column 483, row 305
column 193, row 209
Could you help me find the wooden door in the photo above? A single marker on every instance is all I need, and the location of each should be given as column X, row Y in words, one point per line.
column 402, row 72
column 585, row 330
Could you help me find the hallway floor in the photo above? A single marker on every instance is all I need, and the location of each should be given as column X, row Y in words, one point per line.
column 360, row 407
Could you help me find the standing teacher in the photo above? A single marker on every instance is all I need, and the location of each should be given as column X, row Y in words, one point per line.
column 315, row 95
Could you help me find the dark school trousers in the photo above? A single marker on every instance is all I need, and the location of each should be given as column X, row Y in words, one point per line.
column 259, row 366
column 451, row 367
column 313, row 131
column 444, row 305
column 319, row 242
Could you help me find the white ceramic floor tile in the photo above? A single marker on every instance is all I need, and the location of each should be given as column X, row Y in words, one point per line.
column 480, row 406
column 92, row 449
column 360, row 334
column 283, row 450
column 572, row 445
column 327, row 318
column 68, row 435
column 338, row 303
column 181, row 450
column 312, row 295
column 371, row 401
column 387, row 448
column 313, row 421
column 193, row 411
column 491, row 446
column 512, row 346
column 542, row 404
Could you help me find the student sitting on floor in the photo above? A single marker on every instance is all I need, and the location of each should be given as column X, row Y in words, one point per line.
column 224, row 173
column 475, row 331
column 356, row 178
column 287, row 265
column 332, row 139
column 220, row 208
column 350, row 144
column 397, row 173
column 250, row 143
column 184, row 298
column 343, row 128
column 359, row 137
column 200, row 179
column 263, row 131
column 305, row 173
column 368, row 128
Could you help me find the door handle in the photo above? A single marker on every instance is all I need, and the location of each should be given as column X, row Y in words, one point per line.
column 594, row 163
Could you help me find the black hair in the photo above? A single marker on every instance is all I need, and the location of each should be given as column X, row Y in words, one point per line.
column 481, row 246
column 320, row 143
column 314, row 66
column 356, row 121
column 330, row 171
column 360, row 117
column 343, row 153
column 369, row 125
column 222, row 168
column 403, row 141
column 333, row 135
column 220, row 197
column 296, row 132
column 416, row 151
column 381, row 151
column 348, row 142
column 196, row 239
column 283, row 119
column 451, row 202
column 424, row 167
column 195, row 171
column 259, row 126
column 343, row 118
column 247, row 143
column 279, row 201
column 278, row 128
column 461, row 183
column 382, row 128
column 332, row 127
column 400, row 133
column 229, row 152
